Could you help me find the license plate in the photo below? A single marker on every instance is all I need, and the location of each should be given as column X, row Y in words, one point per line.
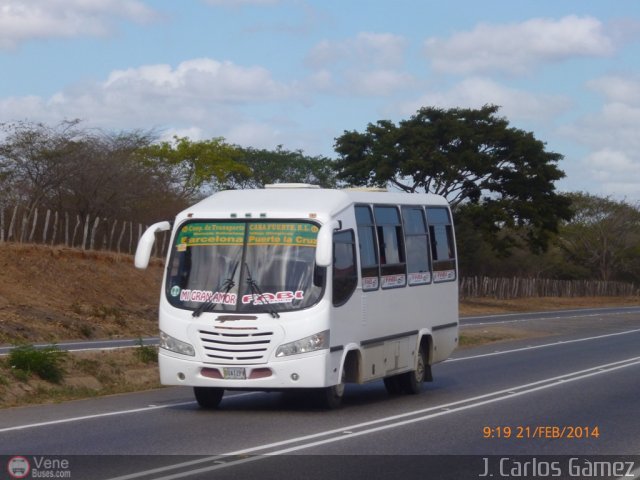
column 234, row 373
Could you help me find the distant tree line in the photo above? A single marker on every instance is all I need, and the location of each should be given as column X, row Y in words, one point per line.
column 500, row 181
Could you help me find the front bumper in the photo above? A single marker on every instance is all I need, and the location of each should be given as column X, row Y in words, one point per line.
column 318, row 369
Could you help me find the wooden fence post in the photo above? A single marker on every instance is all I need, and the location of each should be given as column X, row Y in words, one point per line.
column 85, row 233
column 113, row 230
column 93, row 233
column 11, row 233
column 55, row 227
column 23, row 227
column 124, row 229
column 46, row 226
column 75, row 230
column 33, row 226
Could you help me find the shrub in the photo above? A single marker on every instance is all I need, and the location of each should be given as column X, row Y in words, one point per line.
column 44, row 362
column 146, row 353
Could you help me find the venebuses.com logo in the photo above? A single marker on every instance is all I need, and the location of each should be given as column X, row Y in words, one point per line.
column 18, row 467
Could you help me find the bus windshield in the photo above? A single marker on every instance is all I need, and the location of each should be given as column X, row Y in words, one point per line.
column 244, row 266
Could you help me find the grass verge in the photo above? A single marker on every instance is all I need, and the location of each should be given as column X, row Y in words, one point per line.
column 80, row 375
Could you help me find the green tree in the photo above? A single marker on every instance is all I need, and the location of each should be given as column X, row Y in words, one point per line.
column 196, row 167
column 280, row 166
column 603, row 236
column 499, row 177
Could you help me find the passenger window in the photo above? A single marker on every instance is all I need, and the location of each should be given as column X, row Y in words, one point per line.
column 442, row 244
column 417, row 246
column 345, row 273
column 391, row 247
column 368, row 249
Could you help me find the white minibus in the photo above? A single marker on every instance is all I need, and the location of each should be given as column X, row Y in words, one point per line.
column 298, row 287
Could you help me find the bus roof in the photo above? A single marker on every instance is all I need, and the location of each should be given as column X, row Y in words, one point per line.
column 297, row 201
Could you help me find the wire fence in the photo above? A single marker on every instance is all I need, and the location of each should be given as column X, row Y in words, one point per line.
column 517, row 287
column 43, row 226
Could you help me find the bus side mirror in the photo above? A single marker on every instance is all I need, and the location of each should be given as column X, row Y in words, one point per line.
column 324, row 243
column 145, row 244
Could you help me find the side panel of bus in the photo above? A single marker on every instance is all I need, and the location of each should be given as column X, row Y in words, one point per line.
column 406, row 289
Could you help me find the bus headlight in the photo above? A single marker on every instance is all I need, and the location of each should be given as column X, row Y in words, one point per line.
column 317, row 341
column 174, row 345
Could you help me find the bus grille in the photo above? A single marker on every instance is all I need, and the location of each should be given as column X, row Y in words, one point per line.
column 236, row 346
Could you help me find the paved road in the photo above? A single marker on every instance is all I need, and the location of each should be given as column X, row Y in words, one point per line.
column 89, row 345
column 581, row 313
column 581, row 383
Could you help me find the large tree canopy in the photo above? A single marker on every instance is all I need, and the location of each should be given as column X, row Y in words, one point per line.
column 501, row 178
column 604, row 237
column 197, row 167
column 280, row 165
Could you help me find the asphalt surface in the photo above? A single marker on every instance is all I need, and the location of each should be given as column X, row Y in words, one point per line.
column 91, row 345
column 570, row 391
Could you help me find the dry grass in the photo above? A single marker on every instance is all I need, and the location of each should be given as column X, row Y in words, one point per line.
column 87, row 374
column 492, row 306
column 472, row 337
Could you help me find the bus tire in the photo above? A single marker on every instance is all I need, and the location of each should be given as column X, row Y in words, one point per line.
column 393, row 384
column 331, row 397
column 208, row 397
column 411, row 382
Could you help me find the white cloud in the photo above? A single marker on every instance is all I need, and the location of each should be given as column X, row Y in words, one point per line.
column 475, row 92
column 611, row 135
column 378, row 82
column 193, row 133
column 616, row 88
column 254, row 134
column 615, row 172
column 199, row 93
column 616, row 124
column 367, row 64
column 381, row 50
column 22, row 21
column 519, row 47
column 611, row 162
column 203, row 79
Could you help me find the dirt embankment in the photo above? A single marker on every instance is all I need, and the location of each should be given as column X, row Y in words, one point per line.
column 55, row 294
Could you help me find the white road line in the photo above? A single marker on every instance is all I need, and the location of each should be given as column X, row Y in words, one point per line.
column 108, row 414
column 227, row 460
column 545, row 345
column 90, row 417
column 541, row 315
column 87, row 346
column 528, row 319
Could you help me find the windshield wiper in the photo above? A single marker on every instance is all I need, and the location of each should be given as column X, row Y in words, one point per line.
column 256, row 292
column 227, row 284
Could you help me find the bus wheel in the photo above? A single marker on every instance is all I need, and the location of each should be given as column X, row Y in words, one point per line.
column 393, row 384
column 208, row 397
column 331, row 397
column 411, row 382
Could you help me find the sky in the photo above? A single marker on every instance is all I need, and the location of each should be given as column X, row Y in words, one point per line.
column 299, row 73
